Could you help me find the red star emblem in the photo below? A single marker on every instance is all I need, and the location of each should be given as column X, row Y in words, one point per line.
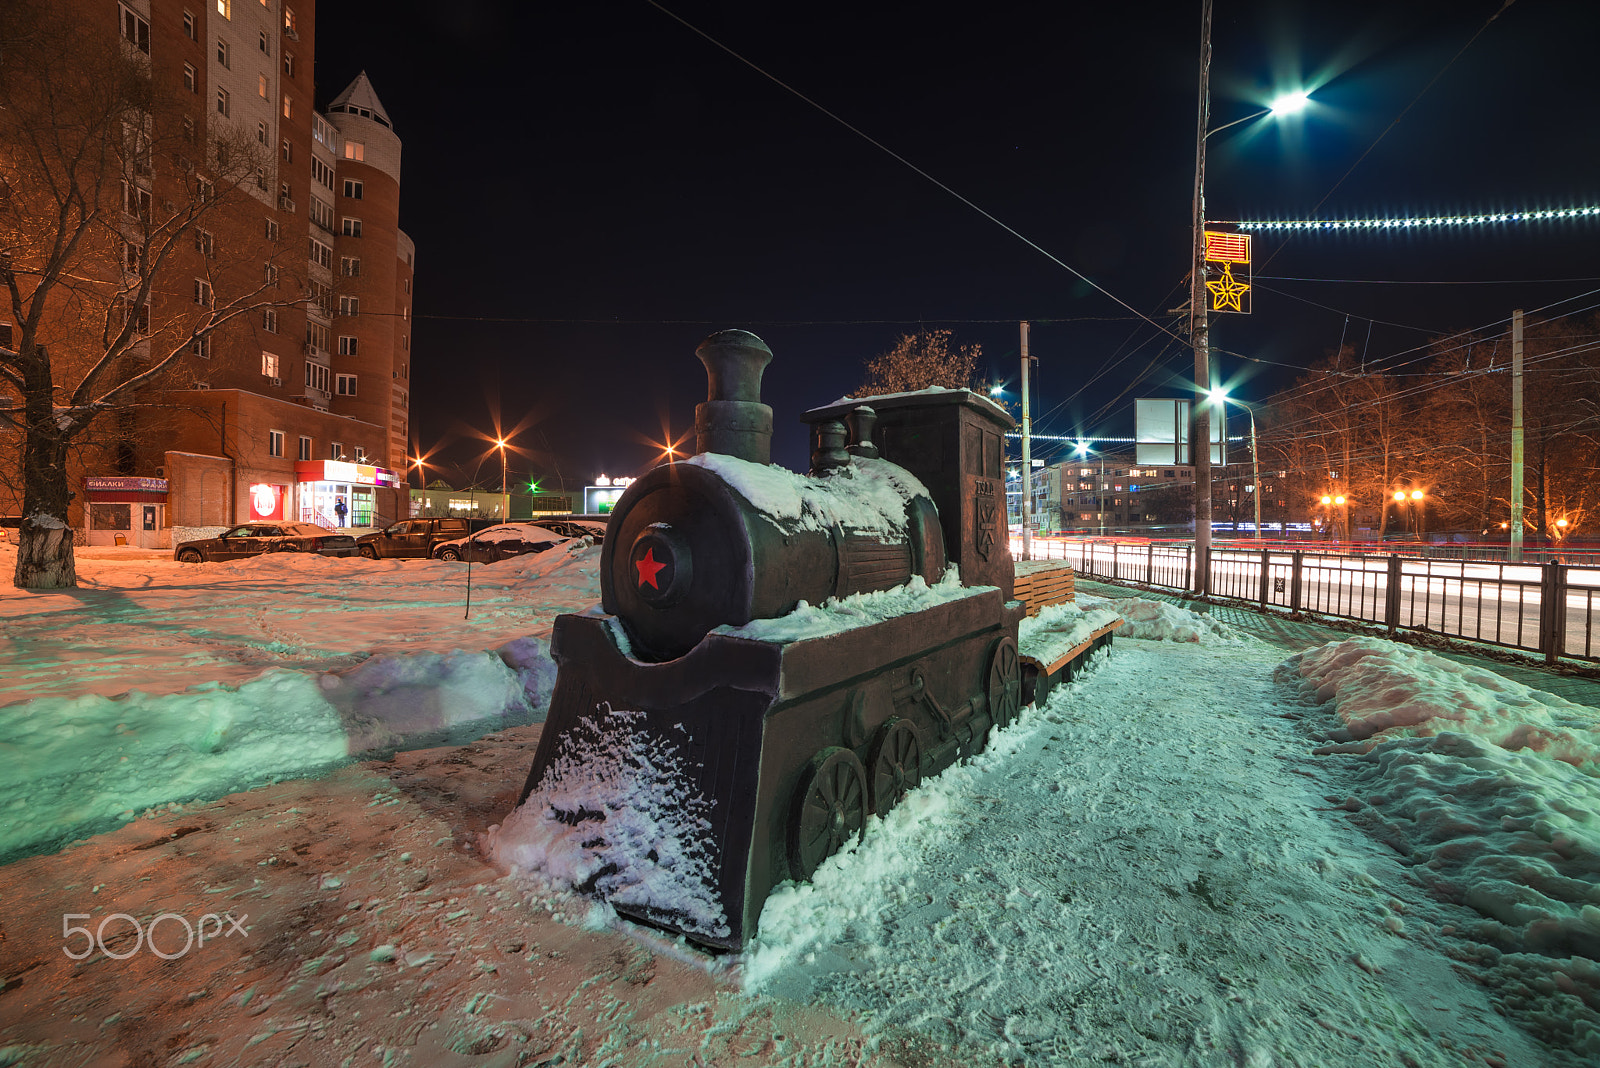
column 648, row 568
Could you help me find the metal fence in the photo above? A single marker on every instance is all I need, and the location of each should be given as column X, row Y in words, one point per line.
column 1551, row 608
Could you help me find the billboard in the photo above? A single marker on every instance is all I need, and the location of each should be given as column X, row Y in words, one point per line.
column 1161, row 433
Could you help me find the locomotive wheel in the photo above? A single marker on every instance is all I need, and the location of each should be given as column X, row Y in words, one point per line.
column 829, row 809
column 1005, row 683
column 896, row 764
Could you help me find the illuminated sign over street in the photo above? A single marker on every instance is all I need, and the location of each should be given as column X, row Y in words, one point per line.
column 1229, row 292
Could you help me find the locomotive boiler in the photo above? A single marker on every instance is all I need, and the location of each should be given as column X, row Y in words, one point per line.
column 761, row 731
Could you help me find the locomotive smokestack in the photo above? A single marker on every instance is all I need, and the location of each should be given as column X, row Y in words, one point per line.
column 733, row 421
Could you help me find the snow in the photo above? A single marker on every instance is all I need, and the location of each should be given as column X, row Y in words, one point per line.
column 617, row 814
column 1163, row 621
column 1097, row 886
column 866, row 496
column 1197, row 853
column 1060, row 628
column 1491, row 791
column 839, row 614
column 321, row 661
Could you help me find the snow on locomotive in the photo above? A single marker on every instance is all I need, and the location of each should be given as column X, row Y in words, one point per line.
column 716, row 728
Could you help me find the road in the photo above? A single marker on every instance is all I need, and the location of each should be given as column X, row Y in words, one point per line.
column 1482, row 601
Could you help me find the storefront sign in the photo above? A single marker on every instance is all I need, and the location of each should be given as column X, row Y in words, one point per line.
column 343, row 471
column 266, row 501
column 124, row 484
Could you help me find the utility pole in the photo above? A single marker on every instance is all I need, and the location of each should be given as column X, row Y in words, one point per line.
column 1027, row 455
column 1518, row 445
column 1199, row 331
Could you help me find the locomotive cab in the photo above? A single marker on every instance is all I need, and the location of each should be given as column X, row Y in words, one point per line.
column 952, row 440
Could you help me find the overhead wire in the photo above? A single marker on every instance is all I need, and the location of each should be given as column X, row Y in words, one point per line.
column 891, row 153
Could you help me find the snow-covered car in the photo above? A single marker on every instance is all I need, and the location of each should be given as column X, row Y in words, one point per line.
column 577, row 528
column 499, row 543
column 417, row 537
column 253, row 539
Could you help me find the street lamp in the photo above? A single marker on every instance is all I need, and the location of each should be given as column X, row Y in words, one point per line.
column 1416, row 497
column 1083, row 450
column 1329, row 502
column 505, row 497
column 1220, row 395
column 1199, row 331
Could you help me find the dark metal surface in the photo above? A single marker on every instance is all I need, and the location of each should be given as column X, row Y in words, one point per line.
column 790, row 744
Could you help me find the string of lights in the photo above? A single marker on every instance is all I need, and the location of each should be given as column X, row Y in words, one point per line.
column 1409, row 222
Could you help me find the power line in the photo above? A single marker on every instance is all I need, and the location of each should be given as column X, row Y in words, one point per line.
column 620, row 321
column 912, row 166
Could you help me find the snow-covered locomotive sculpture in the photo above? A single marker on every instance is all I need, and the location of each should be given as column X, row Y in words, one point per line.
column 783, row 725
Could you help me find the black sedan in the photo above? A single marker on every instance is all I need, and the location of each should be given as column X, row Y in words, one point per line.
column 499, row 543
column 253, row 539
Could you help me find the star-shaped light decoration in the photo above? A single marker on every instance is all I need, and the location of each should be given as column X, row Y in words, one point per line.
column 649, row 568
column 1227, row 291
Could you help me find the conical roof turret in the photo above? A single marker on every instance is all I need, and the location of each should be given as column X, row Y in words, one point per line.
column 361, row 94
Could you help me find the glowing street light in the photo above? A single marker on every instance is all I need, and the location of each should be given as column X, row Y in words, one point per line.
column 1083, row 451
column 1219, row 396
column 505, row 497
column 1290, row 103
column 1416, row 497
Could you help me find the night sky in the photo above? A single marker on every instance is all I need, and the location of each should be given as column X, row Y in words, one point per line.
column 593, row 188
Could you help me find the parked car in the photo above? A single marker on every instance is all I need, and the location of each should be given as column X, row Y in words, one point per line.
column 499, row 543
column 253, row 539
column 417, row 538
column 577, row 528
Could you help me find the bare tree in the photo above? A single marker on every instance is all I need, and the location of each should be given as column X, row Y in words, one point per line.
column 109, row 253
column 920, row 360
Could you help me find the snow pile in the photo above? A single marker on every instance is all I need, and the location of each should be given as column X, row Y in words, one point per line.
column 799, row 917
column 75, row 764
column 1491, row 791
column 867, row 496
column 618, row 814
column 1060, row 628
column 838, row 614
column 570, row 567
column 1383, row 689
column 1142, row 872
column 1162, row 621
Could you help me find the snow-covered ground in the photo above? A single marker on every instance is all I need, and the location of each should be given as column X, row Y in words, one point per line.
column 1202, row 852
column 157, row 681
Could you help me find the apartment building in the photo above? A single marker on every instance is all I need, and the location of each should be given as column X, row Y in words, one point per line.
column 300, row 409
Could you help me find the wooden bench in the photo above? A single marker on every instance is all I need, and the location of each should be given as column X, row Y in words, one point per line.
column 1039, row 678
column 1043, row 582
